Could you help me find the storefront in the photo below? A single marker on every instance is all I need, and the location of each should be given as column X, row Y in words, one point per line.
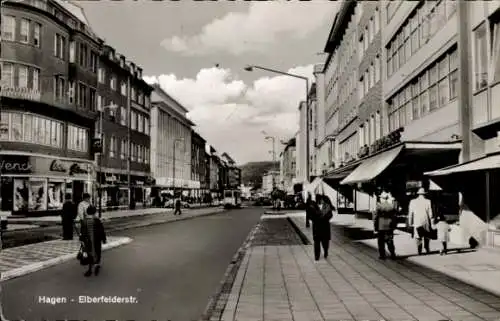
column 345, row 194
column 115, row 191
column 38, row 185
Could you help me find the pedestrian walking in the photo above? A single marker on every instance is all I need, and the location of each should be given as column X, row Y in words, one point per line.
column 82, row 207
column 419, row 217
column 384, row 221
column 69, row 213
column 443, row 232
column 311, row 209
column 321, row 226
column 92, row 236
column 178, row 206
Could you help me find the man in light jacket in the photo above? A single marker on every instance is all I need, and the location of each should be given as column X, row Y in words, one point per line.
column 420, row 216
column 383, row 221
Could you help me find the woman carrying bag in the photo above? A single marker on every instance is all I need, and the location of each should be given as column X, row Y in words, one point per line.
column 92, row 237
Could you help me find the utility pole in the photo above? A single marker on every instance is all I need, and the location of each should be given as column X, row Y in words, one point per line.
column 464, row 75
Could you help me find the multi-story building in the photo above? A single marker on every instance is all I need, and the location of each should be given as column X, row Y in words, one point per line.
column 171, row 143
column 301, row 146
column 198, row 164
column 269, row 181
column 48, row 110
column 471, row 71
column 288, row 166
column 123, row 101
column 233, row 172
column 213, row 164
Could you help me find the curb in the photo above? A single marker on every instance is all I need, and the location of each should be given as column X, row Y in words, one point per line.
column 15, row 273
column 219, row 301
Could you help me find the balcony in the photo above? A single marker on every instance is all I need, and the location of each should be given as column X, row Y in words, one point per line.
column 21, row 93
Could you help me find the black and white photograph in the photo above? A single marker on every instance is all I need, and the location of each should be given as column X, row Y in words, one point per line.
column 250, row 160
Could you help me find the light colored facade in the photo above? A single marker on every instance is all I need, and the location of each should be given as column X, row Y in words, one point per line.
column 269, row 180
column 288, row 166
column 301, row 143
column 170, row 138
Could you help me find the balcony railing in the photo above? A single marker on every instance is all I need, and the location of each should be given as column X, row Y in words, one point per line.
column 21, row 93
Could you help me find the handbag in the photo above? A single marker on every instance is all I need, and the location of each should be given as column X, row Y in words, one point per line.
column 82, row 255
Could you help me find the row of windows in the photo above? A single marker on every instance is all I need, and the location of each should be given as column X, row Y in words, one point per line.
column 138, row 121
column 136, row 95
column 20, row 76
column 78, row 138
column 139, row 153
column 29, row 31
column 371, row 130
column 432, row 89
column 28, row 128
column 486, row 47
column 425, row 21
column 349, row 148
column 370, row 77
column 371, row 29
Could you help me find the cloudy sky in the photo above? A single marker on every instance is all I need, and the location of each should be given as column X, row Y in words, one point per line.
column 178, row 44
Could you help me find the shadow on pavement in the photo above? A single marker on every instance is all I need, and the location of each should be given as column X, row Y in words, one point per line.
column 452, row 251
column 354, row 233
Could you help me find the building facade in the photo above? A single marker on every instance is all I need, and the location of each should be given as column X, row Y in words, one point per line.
column 46, row 124
column 123, row 102
column 171, row 144
column 269, row 181
column 233, row 172
column 288, row 166
column 198, row 164
column 301, row 145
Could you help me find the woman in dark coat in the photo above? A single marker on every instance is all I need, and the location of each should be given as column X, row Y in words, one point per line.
column 93, row 236
column 311, row 209
column 68, row 218
column 321, row 226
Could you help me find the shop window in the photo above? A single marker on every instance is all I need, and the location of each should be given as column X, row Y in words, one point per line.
column 480, row 58
column 30, row 195
column 55, row 194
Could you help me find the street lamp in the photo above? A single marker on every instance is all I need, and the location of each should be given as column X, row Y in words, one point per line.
column 173, row 162
column 101, row 137
column 250, row 68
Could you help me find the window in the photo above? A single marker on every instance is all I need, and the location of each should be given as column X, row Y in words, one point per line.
column 433, row 99
column 59, row 84
column 366, row 38
column 8, row 27
column 78, row 138
column 83, row 55
column 453, row 84
column 140, row 98
column 480, row 58
column 72, row 51
column 36, row 34
column 112, row 82
column 372, row 75
column 100, row 102
column 23, row 76
column 101, row 75
column 25, row 31
column 82, row 96
column 377, row 20
column 59, row 43
column 36, row 78
column 133, row 120
column 377, row 69
column 30, row 129
column 140, row 123
column 444, row 92
column 93, row 61
column 113, row 144
column 123, row 89
column 123, row 149
column 132, row 94
column 71, row 92
column 123, row 116
column 92, row 99
column 147, row 101
column 146, row 125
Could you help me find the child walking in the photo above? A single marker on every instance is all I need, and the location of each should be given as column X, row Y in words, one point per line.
column 443, row 231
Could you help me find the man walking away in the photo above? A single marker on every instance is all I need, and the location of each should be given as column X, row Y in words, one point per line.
column 321, row 226
column 383, row 224
column 68, row 216
column 420, row 216
column 178, row 206
column 311, row 209
column 93, row 236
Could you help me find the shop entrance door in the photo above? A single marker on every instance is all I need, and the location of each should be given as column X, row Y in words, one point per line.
column 77, row 191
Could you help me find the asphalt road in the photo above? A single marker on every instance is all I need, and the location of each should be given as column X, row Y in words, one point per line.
column 171, row 269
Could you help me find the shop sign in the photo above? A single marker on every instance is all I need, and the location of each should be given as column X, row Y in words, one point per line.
column 58, row 166
column 15, row 164
column 78, row 169
column 63, row 167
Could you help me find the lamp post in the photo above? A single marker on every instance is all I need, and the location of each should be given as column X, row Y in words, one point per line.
column 101, row 137
column 250, row 68
column 173, row 162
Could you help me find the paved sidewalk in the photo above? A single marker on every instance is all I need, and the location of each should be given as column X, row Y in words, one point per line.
column 285, row 283
column 22, row 260
column 56, row 219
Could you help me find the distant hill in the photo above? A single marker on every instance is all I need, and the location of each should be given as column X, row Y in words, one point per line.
column 251, row 173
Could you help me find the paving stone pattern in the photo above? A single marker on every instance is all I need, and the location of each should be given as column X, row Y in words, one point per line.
column 18, row 257
column 285, row 283
column 276, row 231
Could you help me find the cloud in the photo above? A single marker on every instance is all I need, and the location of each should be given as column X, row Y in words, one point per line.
column 231, row 115
column 263, row 25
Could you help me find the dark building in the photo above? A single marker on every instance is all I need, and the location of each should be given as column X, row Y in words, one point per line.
column 222, row 175
column 48, row 108
column 233, row 174
column 124, row 101
column 198, row 163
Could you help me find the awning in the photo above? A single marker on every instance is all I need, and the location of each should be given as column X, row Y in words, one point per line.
column 372, row 167
column 485, row 163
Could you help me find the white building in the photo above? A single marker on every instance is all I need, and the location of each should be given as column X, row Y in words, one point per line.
column 269, row 180
column 170, row 142
column 301, row 145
